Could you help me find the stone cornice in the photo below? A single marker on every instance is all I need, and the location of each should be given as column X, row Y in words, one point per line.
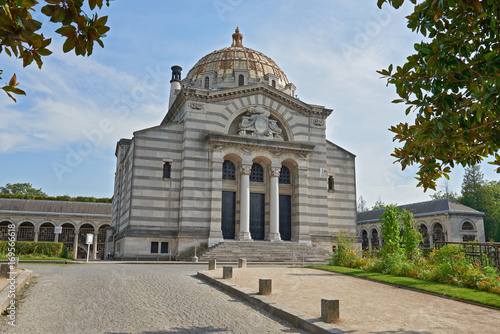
column 199, row 95
column 216, row 140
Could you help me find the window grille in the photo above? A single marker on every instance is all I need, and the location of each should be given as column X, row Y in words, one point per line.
column 26, row 232
column 228, row 170
column 257, row 173
column 284, row 175
column 438, row 234
column 207, row 82
column 4, row 231
column 468, row 226
column 167, row 167
column 46, row 233
column 154, row 247
column 164, row 247
column 241, row 80
column 273, row 83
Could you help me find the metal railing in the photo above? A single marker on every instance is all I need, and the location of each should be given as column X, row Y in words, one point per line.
column 485, row 253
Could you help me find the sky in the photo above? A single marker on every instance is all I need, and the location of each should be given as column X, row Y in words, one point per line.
column 62, row 136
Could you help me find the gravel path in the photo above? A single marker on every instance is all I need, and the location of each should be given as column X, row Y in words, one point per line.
column 133, row 298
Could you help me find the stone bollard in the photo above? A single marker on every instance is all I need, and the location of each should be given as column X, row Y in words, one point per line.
column 330, row 310
column 242, row 263
column 227, row 272
column 4, row 270
column 265, row 286
column 16, row 262
column 212, row 264
column 194, row 259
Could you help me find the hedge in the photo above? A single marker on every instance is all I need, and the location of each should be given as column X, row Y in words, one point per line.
column 48, row 249
column 58, row 198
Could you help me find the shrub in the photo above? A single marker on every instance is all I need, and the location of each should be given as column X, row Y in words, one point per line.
column 35, row 249
column 345, row 254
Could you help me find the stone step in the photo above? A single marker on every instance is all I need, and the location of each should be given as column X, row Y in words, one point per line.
column 264, row 251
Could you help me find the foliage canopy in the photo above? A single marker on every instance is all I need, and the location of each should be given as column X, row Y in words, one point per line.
column 452, row 85
column 21, row 189
column 19, row 37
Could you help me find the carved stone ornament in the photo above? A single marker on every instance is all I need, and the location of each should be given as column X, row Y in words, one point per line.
column 218, row 147
column 275, row 172
column 276, row 153
column 302, row 156
column 246, row 169
column 258, row 125
column 246, row 150
column 194, row 105
column 318, row 121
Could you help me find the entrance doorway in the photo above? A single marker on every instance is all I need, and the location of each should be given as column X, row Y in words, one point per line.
column 285, row 203
column 257, row 216
column 228, row 214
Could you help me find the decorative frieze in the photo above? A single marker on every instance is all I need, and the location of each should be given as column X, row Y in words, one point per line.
column 196, row 105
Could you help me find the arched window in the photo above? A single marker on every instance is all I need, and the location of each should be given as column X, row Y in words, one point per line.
column 425, row 236
column 438, row 233
column 257, row 173
column 467, row 226
column 284, row 175
column 375, row 243
column 207, row 82
column 273, row 83
column 228, row 170
column 241, row 80
column 364, row 240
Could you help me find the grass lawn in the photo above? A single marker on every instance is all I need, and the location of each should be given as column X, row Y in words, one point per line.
column 476, row 296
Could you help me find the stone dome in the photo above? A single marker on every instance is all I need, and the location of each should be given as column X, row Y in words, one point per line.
column 226, row 62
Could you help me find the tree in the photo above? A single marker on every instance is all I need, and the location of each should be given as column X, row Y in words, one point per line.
column 452, row 85
column 482, row 196
column 19, row 37
column 445, row 193
column 361, row 204
column 411, row 238
column 21, row 188
column 379, row 204
column 390, row 228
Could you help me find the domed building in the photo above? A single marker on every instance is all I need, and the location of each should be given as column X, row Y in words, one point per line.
column 237, row 158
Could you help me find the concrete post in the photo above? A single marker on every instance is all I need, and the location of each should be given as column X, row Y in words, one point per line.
column 265, row 286
column 36, row 236
column 242, row 263
column 4, row 270
column 330, row 311
column 212, row 264
column 75, row 247
column 274, row 232
column 245, row 204
column 227, row 272
column 94, row 247
column 16, row 262
column 56, row 237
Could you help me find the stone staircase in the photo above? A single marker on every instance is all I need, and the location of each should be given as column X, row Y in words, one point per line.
column 265, row 251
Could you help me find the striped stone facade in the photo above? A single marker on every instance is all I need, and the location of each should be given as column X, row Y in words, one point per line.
column 203, row 128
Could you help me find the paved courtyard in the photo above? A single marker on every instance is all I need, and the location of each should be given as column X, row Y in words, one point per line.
column 133, row 298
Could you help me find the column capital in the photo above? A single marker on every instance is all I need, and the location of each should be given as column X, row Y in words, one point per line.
column 275, row 172
column 246, row 169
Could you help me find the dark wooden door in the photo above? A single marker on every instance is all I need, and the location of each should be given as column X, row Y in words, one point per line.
column 228, row 214
column 257, row 216
column 286, row 217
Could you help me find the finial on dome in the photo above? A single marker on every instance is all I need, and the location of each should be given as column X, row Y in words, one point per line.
column 237, row 38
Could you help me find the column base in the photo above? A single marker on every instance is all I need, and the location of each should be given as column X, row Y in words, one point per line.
column 273, row 237
column 244, row 236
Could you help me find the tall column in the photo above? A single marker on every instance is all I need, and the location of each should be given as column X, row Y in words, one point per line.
column 56, row 237
column 75, row 247
column 245, row 203
column 36, row 236
column 274, row 232
column 94, row 247
column 215, row 235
